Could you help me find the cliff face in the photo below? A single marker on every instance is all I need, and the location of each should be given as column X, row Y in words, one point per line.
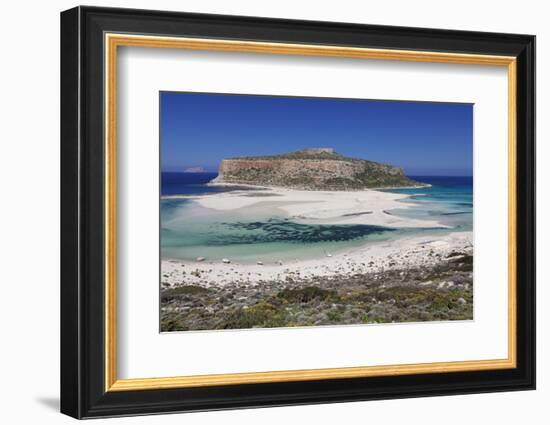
column 311, row 169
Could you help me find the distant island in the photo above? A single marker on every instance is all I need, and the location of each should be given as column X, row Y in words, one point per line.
column 312, row 169
column 195, row 170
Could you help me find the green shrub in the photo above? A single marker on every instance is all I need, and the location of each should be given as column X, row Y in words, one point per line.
column 181, row 291
column 263, row 315
column 307, row 294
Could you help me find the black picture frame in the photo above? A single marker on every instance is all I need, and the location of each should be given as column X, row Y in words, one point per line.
column 83, row 392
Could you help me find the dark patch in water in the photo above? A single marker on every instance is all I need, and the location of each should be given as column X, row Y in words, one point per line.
column 280, row 230
column 357, row 214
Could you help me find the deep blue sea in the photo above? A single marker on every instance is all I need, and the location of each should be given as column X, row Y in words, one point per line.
column 189, row 184
column 257, row 233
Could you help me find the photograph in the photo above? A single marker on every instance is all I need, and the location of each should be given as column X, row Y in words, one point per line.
column 288, row 211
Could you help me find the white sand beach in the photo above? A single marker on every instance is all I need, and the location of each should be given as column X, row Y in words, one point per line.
column 373, row 257
column 370, row 207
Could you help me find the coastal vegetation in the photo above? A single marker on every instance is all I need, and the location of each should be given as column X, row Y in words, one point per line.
column 442, row 291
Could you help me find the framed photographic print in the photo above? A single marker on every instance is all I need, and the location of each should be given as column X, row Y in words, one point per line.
column 261, row 212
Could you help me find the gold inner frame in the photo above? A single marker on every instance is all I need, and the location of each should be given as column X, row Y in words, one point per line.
column 113, row 41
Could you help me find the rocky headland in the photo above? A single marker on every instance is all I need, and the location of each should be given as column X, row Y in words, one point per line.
column 312, row 169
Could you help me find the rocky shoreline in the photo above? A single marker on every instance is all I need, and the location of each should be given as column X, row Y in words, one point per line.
column 436, row 291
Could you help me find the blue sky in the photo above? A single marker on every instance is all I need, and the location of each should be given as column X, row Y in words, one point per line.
column 200, row 129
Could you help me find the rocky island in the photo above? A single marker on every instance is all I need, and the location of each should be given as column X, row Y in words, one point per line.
column 320, row 169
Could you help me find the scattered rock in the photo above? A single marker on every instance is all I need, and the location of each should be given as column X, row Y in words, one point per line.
column 439, row 290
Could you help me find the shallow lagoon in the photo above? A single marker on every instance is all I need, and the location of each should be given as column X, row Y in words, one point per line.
column 263, row 232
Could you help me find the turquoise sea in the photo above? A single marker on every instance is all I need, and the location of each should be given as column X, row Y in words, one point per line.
column 260, row 233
